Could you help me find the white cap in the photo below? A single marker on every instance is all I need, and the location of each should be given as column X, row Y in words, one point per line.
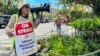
column 20, row 5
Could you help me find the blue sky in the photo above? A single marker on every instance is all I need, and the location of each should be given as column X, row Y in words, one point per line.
column 53, row 3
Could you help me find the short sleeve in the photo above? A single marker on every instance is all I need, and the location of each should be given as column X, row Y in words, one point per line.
column 11, row 22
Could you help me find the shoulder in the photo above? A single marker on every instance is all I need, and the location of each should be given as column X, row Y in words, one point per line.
column 14, row 15
column 55, row 20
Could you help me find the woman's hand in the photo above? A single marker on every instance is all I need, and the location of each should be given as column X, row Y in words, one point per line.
column 9, row 32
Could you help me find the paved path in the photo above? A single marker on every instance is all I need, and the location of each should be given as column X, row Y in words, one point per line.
column 43, row 29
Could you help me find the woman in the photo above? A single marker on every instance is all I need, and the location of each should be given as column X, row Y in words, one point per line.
column 23, row 15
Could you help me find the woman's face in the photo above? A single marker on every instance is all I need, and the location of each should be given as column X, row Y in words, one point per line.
column 25, row 10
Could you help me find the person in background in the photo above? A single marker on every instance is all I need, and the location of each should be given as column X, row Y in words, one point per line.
column 67, row 19
column 58, row 23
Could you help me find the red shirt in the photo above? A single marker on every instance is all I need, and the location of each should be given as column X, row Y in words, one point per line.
column 66, row 20
column 58, row 22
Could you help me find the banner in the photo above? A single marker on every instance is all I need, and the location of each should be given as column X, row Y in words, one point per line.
column 25, row 40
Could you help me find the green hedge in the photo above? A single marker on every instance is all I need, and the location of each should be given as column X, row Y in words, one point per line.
column 88, row 27
column 80, row 14
column 87, row 24
column 75, row 45
column 69, row 46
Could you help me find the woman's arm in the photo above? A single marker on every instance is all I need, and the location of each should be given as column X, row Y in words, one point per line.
column 10, row 25
column 37, row 21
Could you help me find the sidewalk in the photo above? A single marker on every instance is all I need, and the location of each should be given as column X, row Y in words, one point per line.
column 46, row 29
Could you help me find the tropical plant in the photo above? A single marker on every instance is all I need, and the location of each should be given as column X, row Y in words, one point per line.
column 69, row 46
column 91, row 3
column 89, row 27
column 64, row 45
column 9, row 6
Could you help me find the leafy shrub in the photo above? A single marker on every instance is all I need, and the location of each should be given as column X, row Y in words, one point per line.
column 80, row 14
column 89, row 27
column 65, row 45
column 69, row 46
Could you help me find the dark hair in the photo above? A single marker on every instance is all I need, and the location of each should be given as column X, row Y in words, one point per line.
column 20, row 12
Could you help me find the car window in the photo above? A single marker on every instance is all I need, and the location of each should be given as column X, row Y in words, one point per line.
column 1, row 17
column 6, row 17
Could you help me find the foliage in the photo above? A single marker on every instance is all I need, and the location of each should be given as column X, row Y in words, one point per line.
column 63, row 45
column 89, row 27
column 77, row 10
column 67, row 45
column 8, row 6
column 85, row 43
column 65, row 4
column 87, row 24
column 92, row 3
column 48, row 15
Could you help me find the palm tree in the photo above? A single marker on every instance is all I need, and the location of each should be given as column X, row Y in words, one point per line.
column 65, row 3
column 7, row 5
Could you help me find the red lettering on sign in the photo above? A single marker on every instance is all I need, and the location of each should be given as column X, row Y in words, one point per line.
column 24, row 28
